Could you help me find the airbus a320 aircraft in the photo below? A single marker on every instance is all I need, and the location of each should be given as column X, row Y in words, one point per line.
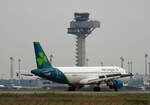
column 77, row 77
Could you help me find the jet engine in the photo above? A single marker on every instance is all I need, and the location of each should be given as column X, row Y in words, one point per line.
column 116, row 84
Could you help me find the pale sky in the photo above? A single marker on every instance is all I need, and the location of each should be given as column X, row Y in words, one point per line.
column 124, row 32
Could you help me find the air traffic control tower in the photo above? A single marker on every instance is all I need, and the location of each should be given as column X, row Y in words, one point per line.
column 81, row 26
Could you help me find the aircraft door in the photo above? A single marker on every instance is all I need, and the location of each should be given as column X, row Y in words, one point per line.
column 58, row 74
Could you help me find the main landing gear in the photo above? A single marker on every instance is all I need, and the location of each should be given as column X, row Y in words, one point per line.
column 116, row 89
column 71, row 88
column 111, row 87
column 96, row 88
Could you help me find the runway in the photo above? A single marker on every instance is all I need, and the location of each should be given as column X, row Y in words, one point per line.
column 71, row 92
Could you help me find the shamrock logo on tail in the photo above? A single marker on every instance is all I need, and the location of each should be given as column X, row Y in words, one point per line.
column 41, row 59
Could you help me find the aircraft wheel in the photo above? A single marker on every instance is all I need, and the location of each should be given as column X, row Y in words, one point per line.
column 111, row 87
column 116, row 89
column 97, row 89
column 71, row 88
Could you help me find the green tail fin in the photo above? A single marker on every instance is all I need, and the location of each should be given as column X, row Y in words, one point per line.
column 41, row 59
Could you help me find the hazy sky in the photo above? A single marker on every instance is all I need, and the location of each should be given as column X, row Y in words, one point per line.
column 124, row 32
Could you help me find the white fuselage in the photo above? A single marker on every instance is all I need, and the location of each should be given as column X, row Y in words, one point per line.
column 76, row 74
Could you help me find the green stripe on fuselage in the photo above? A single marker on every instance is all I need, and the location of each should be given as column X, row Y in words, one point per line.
column 64, row 76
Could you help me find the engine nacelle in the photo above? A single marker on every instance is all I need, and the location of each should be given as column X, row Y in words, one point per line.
column 117, row 84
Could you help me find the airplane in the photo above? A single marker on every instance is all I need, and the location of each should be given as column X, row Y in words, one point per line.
column 16, row 87
column 77, row 77
column 2, row 86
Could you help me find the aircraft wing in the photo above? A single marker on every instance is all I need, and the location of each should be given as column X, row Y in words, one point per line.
column 104, row 78
column 26, row 74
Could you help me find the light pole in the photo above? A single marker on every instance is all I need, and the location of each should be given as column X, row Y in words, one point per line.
column 87, row 60
column 122, row 60
column 11, row 70
column 101, row 63
column 19, row 62
column 146, row 55
column 149, row 70
column 128, row 66
column 51, row 58
column 131, row 66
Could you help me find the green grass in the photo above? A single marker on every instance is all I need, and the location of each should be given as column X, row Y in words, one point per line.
column 74, row 99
